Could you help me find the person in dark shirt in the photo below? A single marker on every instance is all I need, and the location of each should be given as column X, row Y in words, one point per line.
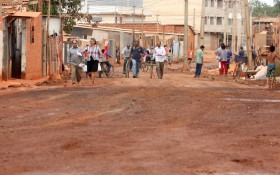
column 241, row 52
column 136, row 54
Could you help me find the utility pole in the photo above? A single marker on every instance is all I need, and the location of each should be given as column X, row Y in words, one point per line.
column 143, row 39
column 40, row 5
column 157, row 39
column 133, row 32
column 116, row 19
column 234, row 29
column 186, row 28
column 225, row 23
column 194, row 19
column 278, row 29
column 259, row 23
column 48, row 17
column 47, row 38
column 251, row 25
column 202, row 23
column 61, row 37
column 248, row 38
column 239, row 30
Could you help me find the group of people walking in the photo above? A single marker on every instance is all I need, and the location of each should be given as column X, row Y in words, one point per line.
column 90, row 56
column 77, row 57
column 137, row 53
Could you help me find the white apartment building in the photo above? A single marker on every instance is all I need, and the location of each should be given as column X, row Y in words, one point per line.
column 224, row 16
column 115, row 11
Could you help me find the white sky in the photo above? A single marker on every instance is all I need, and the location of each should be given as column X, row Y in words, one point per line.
column 269, row 2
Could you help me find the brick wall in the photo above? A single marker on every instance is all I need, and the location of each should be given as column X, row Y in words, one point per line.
column 34, row 50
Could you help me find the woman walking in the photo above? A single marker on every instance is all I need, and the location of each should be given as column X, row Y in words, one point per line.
column 94, row 54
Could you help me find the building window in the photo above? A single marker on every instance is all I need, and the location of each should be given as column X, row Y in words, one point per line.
column 206, row 3
column 206, row 22
column 219, row 21
column 212, row 3
column 220, row 3
column 211, row 20
column 229, row 21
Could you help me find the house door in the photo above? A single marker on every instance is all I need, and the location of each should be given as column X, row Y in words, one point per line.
column 15, row 48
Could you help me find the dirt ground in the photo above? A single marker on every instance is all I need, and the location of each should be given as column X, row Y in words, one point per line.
column 175, row 126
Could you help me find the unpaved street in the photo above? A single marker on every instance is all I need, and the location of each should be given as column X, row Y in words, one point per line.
column 175, row 126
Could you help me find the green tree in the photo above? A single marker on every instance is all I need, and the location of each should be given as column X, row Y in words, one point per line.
column 69, row 7
column 262, row 9
column 277, row 5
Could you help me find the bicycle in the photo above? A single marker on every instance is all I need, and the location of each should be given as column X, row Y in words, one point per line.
column 104, row 70
column 144, row 66
column 150, row 65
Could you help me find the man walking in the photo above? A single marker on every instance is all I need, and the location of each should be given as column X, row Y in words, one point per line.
column 126, row 53
column 75, row 58
column 159, row 55
column 199, row 61
column 224, row 60
column 218, row 56
column 136, row 54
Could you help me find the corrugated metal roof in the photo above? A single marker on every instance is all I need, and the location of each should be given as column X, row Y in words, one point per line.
column 27, row 14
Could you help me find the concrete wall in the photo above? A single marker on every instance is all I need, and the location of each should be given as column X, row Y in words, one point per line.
column 54, row 24
column 125, row 38
column 211, row 41
column 114, row 35
column 260, row 40
column 100, row 35
column 81, row 32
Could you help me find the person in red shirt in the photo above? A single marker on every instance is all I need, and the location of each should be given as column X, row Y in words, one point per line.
column 105, row 52
column 190, row 56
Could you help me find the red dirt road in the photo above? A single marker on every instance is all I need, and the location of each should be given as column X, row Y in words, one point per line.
column 175, row 126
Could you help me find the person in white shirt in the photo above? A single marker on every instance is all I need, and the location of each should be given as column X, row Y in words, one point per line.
column 159, row 55
column 126, row 52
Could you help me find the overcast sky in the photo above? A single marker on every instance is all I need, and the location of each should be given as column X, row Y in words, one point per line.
column 269, row 2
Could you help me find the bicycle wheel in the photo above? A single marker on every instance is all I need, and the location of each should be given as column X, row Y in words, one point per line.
column 143, row 66
column 146, row 68
column 102, row 70
column 127, row 69
column 110, row 73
